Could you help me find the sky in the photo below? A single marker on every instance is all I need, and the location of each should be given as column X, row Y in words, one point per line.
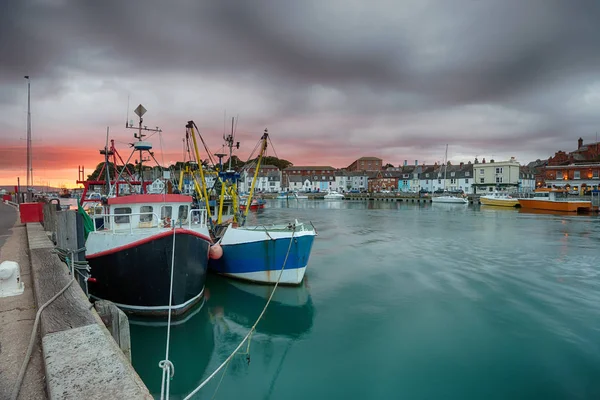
column 331, row 81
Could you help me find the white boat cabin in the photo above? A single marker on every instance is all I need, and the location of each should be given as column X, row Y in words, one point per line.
column 147, row 211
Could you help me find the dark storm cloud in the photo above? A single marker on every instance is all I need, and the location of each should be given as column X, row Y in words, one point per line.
column 360, row 61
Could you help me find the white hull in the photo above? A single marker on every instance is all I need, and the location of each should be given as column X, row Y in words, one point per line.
column 450, row 199
column 289, row 277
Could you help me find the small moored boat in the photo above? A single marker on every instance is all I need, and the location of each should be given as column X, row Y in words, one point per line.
column 500, row 200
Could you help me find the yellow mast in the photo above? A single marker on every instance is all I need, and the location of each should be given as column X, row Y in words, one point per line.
column 202, row 193
column 263, row 147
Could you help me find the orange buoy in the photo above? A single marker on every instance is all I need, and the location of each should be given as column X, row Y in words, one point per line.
column 215, row 252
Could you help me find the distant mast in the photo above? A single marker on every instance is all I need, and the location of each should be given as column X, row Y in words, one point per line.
column 29, row 161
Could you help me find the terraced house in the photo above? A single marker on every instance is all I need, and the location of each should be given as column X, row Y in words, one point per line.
column 320, row 178
column 502, row 176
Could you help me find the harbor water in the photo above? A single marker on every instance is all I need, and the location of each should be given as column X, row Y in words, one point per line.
column 402, row 301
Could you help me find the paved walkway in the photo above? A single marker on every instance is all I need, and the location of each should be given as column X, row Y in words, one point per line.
column 17, row 314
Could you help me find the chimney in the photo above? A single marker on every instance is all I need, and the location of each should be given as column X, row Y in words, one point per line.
column 483, row 161
column 461, row 164
column 579, row 143
column 405, row 163
column 416, row 163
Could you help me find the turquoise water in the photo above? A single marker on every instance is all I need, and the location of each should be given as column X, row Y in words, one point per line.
column 408, row 301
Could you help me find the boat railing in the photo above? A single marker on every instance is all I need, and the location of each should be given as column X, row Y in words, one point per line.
column 119, row 226
column 197, row 217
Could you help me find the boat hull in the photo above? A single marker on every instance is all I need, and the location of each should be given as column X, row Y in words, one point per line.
column 499, row 202
column 136, row 275
column 549, row 205
column 450, row 199
column 256, row 256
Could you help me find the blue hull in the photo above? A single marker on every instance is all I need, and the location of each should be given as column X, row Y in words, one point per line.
column 266, row 255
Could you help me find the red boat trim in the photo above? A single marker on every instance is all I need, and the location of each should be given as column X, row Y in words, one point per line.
column 150, row 198
column 148, row 239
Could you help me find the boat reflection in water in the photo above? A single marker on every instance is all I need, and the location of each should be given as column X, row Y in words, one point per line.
column 233, row 302
column 191, row 347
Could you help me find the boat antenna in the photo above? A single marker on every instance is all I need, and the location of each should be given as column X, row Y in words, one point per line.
column 142, row 146
column 106, row 161
column 127, row 117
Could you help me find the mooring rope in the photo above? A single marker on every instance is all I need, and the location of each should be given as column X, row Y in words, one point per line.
column 166, row 365
column 17, row 387
column 211, row 376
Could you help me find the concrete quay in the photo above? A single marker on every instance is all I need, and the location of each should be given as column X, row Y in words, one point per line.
column 17, row 314
column 78, row 358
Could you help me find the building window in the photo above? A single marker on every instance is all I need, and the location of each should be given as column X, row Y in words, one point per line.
column 595, row 174
column 498, row 179
column 576, row 175
column 467, row 173
column 498, row 170
column 427, row 181
column 452, row 181
column 482, row 180
column 123, row 219
column 439, row 181
column 146, row 217
column 466, row 181
column 452, row 173
column 558, row 177
column 482, row 172
column 426, row 175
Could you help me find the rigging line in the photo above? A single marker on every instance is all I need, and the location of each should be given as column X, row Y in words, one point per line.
column 122, row 169
column 166, row 365
column 204, row 144
column 253, row 326
column 273, row 147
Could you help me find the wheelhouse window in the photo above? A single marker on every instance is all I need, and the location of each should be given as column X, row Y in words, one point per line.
column 183, row 213
column 122, row 219
column 166, row 212
column 146, row 217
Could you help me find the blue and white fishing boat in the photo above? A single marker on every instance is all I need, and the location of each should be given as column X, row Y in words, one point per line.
column 262, row 254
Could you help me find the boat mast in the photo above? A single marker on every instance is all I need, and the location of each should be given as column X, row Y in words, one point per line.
column 29, row 162
column 445, row 166
column 263, row 147
column 140, row 111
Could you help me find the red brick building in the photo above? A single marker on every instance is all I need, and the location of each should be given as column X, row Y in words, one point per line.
column 578, row 170
column 366, row 164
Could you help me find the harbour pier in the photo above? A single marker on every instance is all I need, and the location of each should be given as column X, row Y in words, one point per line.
column 74, row 355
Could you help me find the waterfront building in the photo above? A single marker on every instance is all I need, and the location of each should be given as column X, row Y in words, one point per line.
column 268, row 179
column 318, row 176
column 351, row 180
column 527, row 182
column 366, row 164
column 501, row 175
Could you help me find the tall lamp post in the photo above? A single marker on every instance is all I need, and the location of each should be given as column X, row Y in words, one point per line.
column 29, row 163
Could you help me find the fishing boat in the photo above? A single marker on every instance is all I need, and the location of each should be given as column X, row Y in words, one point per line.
column 140, row 241
column 331, row 195
column 499, row 200
column 262, row 254
column 447, row 197
column 282, row 196
column 256, row 204
column 554, row 200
